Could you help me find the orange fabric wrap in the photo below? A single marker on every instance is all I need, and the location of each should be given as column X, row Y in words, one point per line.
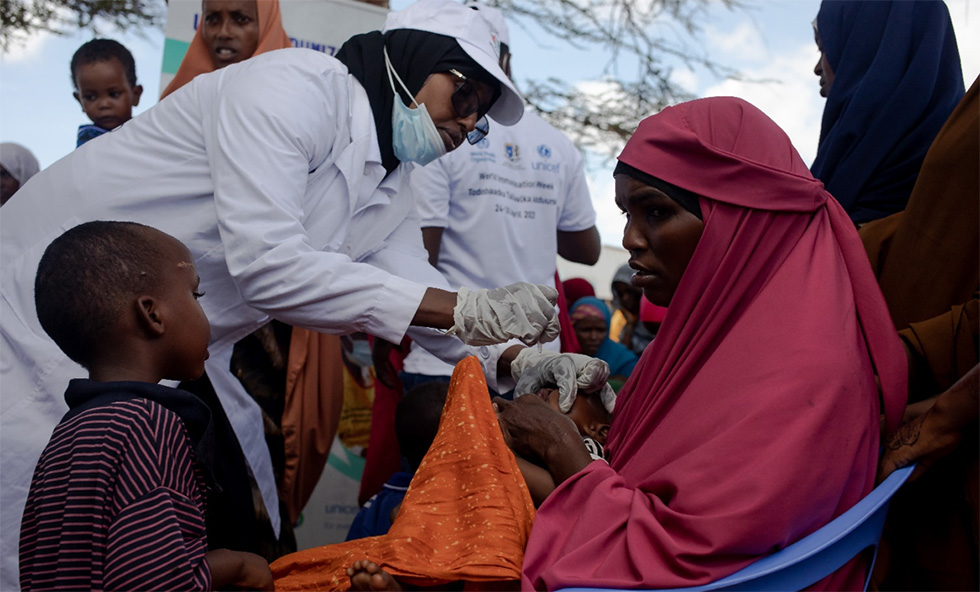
column 467, row 514
column 314, row 396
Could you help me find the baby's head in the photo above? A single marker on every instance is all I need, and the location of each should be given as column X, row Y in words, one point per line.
column 108, row 290
column 104, row 75
column 417, row 420
column 587, row 412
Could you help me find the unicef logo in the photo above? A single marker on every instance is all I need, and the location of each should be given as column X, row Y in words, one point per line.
column 544, row 151
column 483, row 143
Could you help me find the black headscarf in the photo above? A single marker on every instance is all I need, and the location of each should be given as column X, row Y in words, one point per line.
column 687, row 199
column 414, row 55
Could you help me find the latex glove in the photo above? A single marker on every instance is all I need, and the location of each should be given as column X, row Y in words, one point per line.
column 535, row 370
column 519, row 311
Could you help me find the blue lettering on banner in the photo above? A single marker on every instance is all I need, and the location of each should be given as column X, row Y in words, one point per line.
column 546, row 166
column 306, row 44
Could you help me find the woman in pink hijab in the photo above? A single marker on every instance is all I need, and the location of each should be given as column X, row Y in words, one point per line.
column 753, row 419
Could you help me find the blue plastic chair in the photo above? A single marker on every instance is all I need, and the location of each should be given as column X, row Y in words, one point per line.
column 816, row 556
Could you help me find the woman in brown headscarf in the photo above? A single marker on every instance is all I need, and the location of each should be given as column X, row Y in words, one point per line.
column 230, row 31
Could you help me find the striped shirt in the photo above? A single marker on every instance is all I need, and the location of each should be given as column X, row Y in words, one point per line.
column 116, row 503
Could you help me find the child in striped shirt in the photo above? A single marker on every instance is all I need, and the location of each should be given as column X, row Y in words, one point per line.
column 118, row 497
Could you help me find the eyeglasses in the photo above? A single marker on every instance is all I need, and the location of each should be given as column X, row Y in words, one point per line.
column 466, row 101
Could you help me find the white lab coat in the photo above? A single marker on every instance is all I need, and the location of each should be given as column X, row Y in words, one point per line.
column 270, row 172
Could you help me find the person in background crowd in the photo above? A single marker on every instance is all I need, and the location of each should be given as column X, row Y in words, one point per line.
column 103, row 73
column 625, row 326
column 576, row 288
column 17, row 165
column 651, row 315
column 230, row 31
column 890, row 71
column 590, row 317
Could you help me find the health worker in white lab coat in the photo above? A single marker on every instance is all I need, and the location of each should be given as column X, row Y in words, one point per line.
column 286, row 176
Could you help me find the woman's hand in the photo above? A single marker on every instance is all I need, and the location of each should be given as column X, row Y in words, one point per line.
column 933, row 428
column 534, row 430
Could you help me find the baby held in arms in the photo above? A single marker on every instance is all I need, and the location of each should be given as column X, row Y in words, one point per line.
column 592, row 421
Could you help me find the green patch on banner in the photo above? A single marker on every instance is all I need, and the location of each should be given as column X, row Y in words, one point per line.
column 351, row 465
column 173, row 54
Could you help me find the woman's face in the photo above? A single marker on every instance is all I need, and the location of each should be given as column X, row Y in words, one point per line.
column 629, row 297
column 437, row 94
column 822, row 69
column 591, row 332
column 8, row 185
column 660, row 236
column 231, row 30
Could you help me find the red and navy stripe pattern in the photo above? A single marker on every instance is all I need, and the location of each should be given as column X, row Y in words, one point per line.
column 116, row 503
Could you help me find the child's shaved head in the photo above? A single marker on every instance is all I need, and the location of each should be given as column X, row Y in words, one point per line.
column 85, row 277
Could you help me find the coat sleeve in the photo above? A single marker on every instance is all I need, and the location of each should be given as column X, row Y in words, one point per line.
column 267, row 132
column 942, row 349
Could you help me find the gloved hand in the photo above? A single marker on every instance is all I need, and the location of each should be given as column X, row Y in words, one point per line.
column 534, row 370
column 518, row 311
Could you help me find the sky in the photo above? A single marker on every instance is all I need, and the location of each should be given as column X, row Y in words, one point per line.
column 771, row 40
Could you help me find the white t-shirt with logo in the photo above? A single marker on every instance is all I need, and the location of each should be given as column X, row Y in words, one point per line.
column 501, row 203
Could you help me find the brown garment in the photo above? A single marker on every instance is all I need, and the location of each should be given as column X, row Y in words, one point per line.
column 942, row 349
column 927, row 260
column 314, row 396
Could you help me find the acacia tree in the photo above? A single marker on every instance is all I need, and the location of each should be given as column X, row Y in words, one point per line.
column 21, row 18
column 643, row 35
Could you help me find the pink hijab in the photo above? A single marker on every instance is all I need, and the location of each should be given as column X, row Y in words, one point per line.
column 752, row 419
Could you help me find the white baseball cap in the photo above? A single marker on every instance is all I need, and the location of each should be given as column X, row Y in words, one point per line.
column 493, row 16
column 475, row 35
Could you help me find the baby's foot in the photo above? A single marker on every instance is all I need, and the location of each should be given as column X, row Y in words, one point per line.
column 367, row 575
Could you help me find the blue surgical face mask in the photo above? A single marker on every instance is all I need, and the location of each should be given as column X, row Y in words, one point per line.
column 414, row 136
